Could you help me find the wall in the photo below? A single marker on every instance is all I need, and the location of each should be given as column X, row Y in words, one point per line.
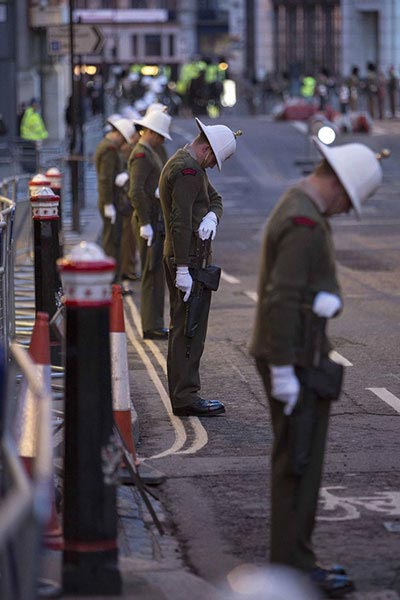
column 360, row 43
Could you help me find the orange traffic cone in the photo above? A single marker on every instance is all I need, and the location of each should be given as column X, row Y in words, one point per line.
column 121, row 397
column 39, row 351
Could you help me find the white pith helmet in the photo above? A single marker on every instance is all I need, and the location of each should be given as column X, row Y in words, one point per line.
column 358, row 169
column 157, row 121
column 156, row 106
column 125, row 127
column 129, row 112
column 221, row 139
column 114, row 117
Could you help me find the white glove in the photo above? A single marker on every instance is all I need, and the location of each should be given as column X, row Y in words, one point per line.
column 285, row 387
column 146, row 232
column 110, row 212
column 121, row 179
column 157, row 192
column 326, row 304
column 184, row 281
column 208, row 226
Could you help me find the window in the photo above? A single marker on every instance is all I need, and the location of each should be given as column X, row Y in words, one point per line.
column 134, row 45
column 152, row 44
column 315, row 27
column 171, row 45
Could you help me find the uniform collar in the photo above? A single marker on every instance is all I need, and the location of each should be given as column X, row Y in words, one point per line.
column 145, row 144
column 149, row 148
column 306, row 186
column 191, row 153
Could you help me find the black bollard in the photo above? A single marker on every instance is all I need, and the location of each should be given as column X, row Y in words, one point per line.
column 92, row 454
column 48, row 290
column 55, row 178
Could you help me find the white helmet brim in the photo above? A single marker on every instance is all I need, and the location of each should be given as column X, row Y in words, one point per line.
column 357, row 168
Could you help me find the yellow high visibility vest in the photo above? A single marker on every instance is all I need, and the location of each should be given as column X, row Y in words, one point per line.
column 32, row 126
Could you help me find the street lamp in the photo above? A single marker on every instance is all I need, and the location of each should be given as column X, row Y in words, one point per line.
column 323, row 129
column 74, row 111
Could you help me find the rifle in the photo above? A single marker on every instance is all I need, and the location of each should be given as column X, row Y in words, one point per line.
column 205, row 279
column 321, row 379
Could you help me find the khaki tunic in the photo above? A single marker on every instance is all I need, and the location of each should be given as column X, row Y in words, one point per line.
column 107, row 162
column 162, row 154
column 297, row 262
column 144, row 167
column 186, row 197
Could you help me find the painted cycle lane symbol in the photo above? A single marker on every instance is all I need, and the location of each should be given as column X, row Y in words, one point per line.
column 345, row 508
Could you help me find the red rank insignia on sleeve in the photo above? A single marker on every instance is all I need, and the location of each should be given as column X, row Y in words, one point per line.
column 139, row 155
column 305, row 221
column 188, row 171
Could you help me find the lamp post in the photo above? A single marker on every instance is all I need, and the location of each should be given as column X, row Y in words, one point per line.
column 74, row 111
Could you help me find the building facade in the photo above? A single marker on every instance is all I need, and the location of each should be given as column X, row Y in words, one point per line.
column 255, row 37
column 303, row 36
column 370, row 33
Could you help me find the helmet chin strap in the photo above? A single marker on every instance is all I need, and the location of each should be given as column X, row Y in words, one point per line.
column 202, row 164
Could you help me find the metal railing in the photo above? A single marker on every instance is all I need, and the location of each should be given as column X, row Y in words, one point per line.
column 25, row 504
column 7, row 212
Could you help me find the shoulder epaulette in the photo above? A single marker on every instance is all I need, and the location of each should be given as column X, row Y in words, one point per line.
column 304, row 221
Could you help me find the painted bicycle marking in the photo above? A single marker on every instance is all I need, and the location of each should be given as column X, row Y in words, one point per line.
column 346, row 508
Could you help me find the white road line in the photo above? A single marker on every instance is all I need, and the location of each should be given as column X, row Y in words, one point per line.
column 341, row 222
column 200, row 437
column 387, row 397
column 180, row 433
column 229, row 278
column 300, row 126
column 252, row 295
column 200, row 434
column 340, row 359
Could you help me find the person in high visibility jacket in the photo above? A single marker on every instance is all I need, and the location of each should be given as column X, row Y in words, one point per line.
column 188, row 72
column 307, row 89
column 32, row 124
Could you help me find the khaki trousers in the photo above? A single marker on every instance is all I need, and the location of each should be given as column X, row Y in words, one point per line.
column 294, row 498
column 183, row 360
column 128, row 264
column 152, row 286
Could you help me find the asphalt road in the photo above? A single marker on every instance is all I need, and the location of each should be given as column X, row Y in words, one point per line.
column 217, row 491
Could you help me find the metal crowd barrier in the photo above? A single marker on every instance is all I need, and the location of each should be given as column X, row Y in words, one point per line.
column 16, row 189
column 7, row 211
column 24, row 504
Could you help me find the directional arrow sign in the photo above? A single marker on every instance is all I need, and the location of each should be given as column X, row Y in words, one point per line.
column 88, row 39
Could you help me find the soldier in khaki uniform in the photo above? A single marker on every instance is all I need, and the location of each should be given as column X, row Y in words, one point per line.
column 128, row 267
column 297, row 271
column 160, row 149
column 192, row 209
column 144, row 167
column 107, row 161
